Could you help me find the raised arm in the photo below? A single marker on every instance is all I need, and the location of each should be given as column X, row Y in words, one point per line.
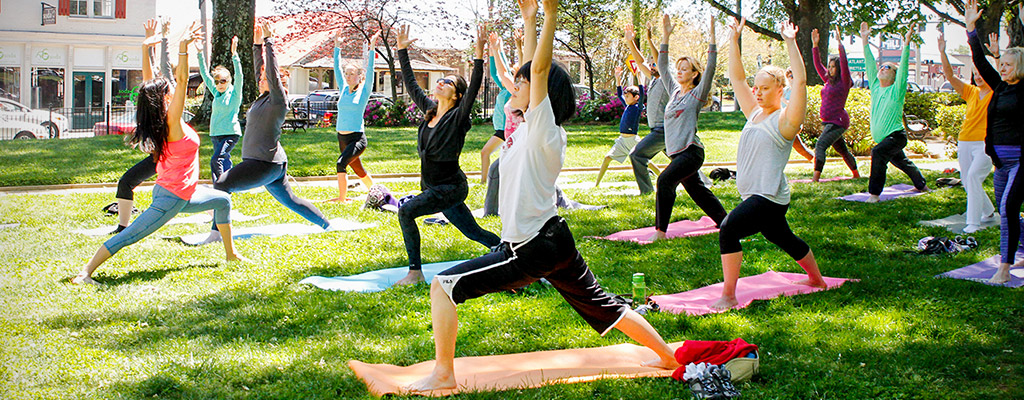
column 204, row 72
column 663, row 70
column 257, row 52
column 147, row 48
column 496, row 63
column 635, row 52
column 367, row 87
column 870, row 66
column 529, row 11
column 165, row 56
column 736, row 74
column 650, row 43
column 947, row 68
column 273, row 76
column 238, row 85
column 408, row 77
column 706, row 79
column 618, row 84
column 541, row 65
column 177, row 107
column 844, row 64
column 341, row 82
column 466, row 103
column 816, row 56
column 904, row 71
column 793, row 115
column 984, row 68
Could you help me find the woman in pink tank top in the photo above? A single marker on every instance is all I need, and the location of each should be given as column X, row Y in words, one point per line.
column 175, row 145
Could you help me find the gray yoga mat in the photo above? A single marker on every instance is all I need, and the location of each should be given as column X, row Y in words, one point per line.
column 957, row 222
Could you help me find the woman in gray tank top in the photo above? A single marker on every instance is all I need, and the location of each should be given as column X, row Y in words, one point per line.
column 764, row 148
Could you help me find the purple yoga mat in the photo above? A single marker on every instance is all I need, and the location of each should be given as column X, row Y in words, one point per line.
column 678, row 229
column 982, row 271
column 889, row 193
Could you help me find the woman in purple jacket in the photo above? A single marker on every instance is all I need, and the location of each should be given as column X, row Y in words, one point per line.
column 834, row 119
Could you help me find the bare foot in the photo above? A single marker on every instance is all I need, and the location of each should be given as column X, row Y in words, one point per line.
column 84, row 280
column 343, row 200
column 663, row 363
column 238, row 257
column 818, row 283
column 436, row 381
column 872, row 199
column 856, row 174
column 414, row 277
column 658, row 235
column 925, row 190
column 725, row 303
column 1002, row 275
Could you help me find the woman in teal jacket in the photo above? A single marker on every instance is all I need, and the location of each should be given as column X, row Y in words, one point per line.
column 224, row 128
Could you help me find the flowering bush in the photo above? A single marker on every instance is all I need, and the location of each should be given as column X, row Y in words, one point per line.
column 400, row 113
column 603, row 108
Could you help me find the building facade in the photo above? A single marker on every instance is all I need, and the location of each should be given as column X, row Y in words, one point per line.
column 72, row 53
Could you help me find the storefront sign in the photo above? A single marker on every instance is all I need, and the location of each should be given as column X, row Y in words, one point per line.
column 10, row 55
column 50, row 56
column 126, row 58
column 49, row 14
column 88, row 57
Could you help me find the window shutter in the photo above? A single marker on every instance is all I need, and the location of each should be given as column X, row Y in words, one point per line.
column 64, row 7
column 119, row 9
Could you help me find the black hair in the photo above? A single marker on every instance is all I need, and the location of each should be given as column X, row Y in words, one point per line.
column 460, row 90
column 560, row 90
column 151, row 117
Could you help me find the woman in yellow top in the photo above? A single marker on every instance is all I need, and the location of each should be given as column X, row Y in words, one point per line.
column 975, row 165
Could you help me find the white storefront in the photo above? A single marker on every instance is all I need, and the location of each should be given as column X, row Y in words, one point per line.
column 89, row 58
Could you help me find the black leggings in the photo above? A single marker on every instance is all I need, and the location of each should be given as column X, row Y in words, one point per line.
column 832, row 135
column 352, row 146
column 134, row 176
column 449, row 200
column 551, row 255
column 758, row 214
column 683, row 169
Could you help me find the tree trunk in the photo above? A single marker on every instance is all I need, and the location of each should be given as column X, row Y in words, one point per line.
column 231, row 18
column 808, row 16
column 1014, row 28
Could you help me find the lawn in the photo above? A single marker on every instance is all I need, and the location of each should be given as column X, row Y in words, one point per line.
column 315, row 152
column 178, row 322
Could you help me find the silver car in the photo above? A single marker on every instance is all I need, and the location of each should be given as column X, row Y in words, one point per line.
column 55, row 123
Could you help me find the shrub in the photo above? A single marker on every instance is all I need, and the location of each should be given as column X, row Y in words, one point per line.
column 924, row 105
column 917, row 147
column 400, row 113
column 950, row 119
column 858, row 105
column 603, row 108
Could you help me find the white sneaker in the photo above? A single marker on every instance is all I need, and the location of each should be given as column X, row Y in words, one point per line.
column 990, row 218
column 972, row 228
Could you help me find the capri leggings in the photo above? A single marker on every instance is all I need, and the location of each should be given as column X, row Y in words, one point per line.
column 351, row 145
column 134, row 176
column 164, row 207
column 758, row 214
column 551, row 255
column 683, row 169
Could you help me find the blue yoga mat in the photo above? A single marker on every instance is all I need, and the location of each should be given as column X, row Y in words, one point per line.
column 276, row 230
column 375, row 281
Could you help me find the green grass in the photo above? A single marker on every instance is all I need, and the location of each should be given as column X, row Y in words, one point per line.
column 314, row 153
column 178, row 322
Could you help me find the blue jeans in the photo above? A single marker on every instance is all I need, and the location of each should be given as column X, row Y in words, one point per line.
column 251, row 173
column 164, row 207
column 221, row 159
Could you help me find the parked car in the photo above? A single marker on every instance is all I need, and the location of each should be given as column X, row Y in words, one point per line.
column 124, row 124
column 928, row 89
column 55, row 123
column 315, row 106
column 14, row 129
column 714, row 105
column 913, row 87
column 946, row 87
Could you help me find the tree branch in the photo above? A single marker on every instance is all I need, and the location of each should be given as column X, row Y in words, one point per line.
column 753, row 25
column 945, row 16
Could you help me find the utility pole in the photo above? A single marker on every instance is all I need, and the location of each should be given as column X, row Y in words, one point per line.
column 206, row 31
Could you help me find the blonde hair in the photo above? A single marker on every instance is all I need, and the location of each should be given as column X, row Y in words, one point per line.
column 1017, row 55
column 694, row 66
column 775, row 73
column 220, row 71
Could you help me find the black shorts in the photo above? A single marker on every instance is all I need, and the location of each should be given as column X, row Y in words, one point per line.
column 551, row 255
column 500, row 134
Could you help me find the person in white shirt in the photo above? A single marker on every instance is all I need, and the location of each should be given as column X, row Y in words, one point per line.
column 536, row 242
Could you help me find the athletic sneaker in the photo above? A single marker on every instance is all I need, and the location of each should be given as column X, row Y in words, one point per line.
column 972, row 228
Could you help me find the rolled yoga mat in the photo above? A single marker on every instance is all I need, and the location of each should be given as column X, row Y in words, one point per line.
column 983, row 270
column 678, row 229
column 889, row 193
column 337, row 224
column 519, row 371
column 375, row 281
column 957, row 222
column 768, row 285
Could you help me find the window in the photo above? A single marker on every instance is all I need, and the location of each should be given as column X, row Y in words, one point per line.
column 10, row 83
column 47, row 87
column 80, row 8
column 124, row 85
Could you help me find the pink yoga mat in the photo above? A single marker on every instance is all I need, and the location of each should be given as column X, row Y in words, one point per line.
column 768, row 285
column 832, row 179
column 678, row 229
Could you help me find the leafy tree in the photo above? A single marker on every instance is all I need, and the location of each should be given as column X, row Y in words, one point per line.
column 585, row 24
column 231, row 18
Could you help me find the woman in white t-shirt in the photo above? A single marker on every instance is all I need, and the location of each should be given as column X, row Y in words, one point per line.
column 761, row 159
column 536, row 242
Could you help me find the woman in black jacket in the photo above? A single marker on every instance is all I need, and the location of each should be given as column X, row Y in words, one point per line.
column 439, row 143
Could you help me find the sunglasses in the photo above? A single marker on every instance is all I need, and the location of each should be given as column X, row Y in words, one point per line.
column 220, row 81
column 446, row 81
column 887, row 67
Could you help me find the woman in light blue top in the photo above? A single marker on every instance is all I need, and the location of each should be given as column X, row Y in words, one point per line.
column 224, row 128
column 353, row 93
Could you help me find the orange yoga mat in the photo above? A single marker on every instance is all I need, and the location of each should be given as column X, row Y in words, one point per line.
column 518, row 371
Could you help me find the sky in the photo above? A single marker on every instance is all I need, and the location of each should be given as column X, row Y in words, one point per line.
column 181, row 16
